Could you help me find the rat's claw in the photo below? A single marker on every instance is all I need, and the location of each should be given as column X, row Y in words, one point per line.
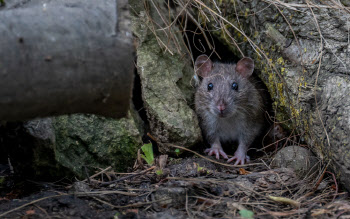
column 223, row 154
column 240, row 159
column 217, row 152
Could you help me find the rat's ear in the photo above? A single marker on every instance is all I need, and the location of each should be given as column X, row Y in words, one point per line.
column 203, row 66
column 245, row 67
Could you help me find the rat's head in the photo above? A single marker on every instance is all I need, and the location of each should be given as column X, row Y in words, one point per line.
column 225, row 88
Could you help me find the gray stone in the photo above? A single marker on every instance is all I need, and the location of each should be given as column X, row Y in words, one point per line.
column 43, row 145
column 300, row 159
column 170, row 197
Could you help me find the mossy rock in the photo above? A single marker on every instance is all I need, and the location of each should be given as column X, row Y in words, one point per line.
column 95, row 142
column 165, row 74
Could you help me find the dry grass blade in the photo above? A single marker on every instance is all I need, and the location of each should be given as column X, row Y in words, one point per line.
column 295, row 6
column 318, row 72
column 99, row 173
column 197, row 24
column 254, row 46
column 135, row 205
column 284, row 200
column 128, row 177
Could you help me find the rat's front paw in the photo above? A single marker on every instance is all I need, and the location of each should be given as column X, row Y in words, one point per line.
column 217, row 152
column 241, row 158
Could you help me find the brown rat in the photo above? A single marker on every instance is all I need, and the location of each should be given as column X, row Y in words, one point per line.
column 229, row 106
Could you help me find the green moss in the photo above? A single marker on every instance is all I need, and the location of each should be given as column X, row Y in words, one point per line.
column 95, row 142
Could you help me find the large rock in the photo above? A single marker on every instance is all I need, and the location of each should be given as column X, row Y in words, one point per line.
column 300, row 159
column 79, row 141
column 92, row 141
column 43, row 140
column 315, row 101
column 165, row 74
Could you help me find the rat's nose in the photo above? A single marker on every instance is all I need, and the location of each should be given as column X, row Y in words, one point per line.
column 221, row 107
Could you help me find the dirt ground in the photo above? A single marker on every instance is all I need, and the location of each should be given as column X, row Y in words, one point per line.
column 194, row 187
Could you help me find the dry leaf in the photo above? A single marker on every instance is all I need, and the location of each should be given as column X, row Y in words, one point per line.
column 318, row 212
column 243, row 171
column 30, row 212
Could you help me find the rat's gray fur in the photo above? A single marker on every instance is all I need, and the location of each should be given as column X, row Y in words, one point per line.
column 243, row 118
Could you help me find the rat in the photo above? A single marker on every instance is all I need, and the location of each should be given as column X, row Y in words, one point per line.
column 229, row 106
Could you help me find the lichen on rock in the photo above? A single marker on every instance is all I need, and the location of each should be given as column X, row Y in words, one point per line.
column 165, row 75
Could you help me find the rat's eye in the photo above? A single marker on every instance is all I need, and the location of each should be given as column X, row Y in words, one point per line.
column 234, row 86
column 210, row 86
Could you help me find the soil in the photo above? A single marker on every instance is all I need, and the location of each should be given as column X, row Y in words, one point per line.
column 195, row 187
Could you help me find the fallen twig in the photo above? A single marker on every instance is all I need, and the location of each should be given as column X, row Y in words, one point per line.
column 128, row 177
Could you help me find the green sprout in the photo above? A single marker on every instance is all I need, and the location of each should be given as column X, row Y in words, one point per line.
column 2, row 181
column 159, row 172
column 177, row 151
column 199, row 168
column 117, row 215
column 246, row 213
column 148, row 153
